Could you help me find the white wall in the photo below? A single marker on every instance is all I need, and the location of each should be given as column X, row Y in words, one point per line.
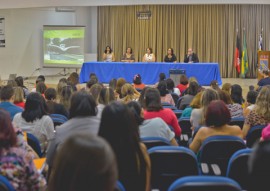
column 23, row 51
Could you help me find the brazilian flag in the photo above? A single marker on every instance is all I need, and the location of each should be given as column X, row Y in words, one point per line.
column 244, row 63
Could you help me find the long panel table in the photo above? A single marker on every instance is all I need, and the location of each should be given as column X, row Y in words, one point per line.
column 105, row 71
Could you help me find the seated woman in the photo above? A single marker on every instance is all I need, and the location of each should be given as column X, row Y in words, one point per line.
column 41, row 88
column 250, row 103
column 96, row 169
column 149, row 56
column 170, row 57
column 34, row 119
column 19, row 81
column 137, row 82
column 192, row 91
column 236, row 94
column 53, row 106
column 183, row 83
column 260, row 115
column 216, row 120
column 119, row 83
column 171, row 87
column 153, row 109
column 108, row 55
column 128, row 56
column 18, row 97
column 120, row 129
column 106, row 96
column 235, row 109
column 129, row 93
column 65, row 96
column 155, row 127
column 165, row 96
column 197, row 117
column 14, row 164
column 195, row 104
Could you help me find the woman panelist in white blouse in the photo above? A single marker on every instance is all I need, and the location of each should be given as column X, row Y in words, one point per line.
column 149, row 56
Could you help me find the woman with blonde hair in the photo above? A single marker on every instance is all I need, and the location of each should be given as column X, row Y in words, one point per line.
column 227, row 87
column 195, row 104
column 128, row 93
column 260, row 115
column 19, row 97
column 119, row 83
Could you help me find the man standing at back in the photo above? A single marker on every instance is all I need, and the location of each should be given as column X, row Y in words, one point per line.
column 191, row 57
column 7, row 97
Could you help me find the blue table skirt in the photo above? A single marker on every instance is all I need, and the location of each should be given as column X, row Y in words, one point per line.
column 105, row 71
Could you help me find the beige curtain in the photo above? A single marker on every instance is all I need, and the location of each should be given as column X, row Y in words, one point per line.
column 209, row 29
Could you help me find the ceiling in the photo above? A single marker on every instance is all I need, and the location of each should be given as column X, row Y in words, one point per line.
column 8, row 4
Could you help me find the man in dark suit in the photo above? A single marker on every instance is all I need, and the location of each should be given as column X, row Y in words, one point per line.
column 191, row 57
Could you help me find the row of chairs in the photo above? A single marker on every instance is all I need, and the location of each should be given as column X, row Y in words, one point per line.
column 219, row 155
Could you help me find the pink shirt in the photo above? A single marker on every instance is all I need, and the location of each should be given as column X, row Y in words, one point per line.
column 168, row 117
column 266, row 132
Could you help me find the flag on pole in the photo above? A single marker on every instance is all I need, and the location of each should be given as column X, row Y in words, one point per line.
column 244, row 64
column 237, row 54
column 260, row 42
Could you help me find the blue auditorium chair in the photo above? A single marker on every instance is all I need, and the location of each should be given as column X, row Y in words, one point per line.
column 254, row 134
column 239, row 121
column 155, row 141
column 5, row 185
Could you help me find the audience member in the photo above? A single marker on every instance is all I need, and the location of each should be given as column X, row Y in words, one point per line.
column 236, row 94
column 214, row 85
column 14, row 165
column 128, row 56
column 155, row 127
column 165, row 96
column 120, row 82
column 41, row 88
column 260, row 115
column 120, row 129
column 235, row 109
column 149, row 55
column 227, row 88
column 7, row 98
column 90, row 83
column 82, row 114
column 217, row 118
column 141, row 98
column 190, row 92
column 74, row 81
column 170, row 56
column 266, row 133
column 53, row 106
column 65, row 96
column 18, row 97
column 265, row 80
column 195, row 104
column 108, row 55
column 258, row 167
column 153, row 109
column 95, row 170
column 183, row 83
column 250, row 103
column 106, row 96
column 93, row 77
column 161, row 77
column 171, row 87
column 62, row 83
column 40, row 78
column 95, row 91
column 197, row 117
column 137, row 82
column 34, row 119
column 19, row 81
column 129, row 93
column 112, row 83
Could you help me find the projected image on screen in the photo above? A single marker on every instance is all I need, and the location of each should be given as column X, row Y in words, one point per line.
column 63, row 46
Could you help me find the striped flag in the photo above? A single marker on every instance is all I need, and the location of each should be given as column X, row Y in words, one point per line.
column 260, row 42
column 237, row 54
column 244, row 64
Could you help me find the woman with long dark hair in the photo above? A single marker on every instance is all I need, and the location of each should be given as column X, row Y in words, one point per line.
column 34, row 119
column 120, row 129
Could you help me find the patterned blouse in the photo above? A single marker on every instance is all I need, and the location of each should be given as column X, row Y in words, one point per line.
column 255, row 119
column 20, row 170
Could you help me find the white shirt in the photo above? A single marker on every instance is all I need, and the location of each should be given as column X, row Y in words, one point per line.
column 148, row 57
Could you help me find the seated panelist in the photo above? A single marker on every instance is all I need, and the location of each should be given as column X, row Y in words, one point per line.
column 170, row 57
column 149, row 56
column 191, row 57
column 128, row 56
column 108, row 55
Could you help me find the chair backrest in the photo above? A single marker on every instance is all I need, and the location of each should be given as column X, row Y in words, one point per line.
column 5, row 185
column 239, row 121
column 185, row 125
column 119, row 186
column 254, row 134
column 34, row 143
column 238, row 167
column 205, row 183
column 219, row 149
column 155, row 141
column 169, row 163
column 58, row 119
column 178, row 113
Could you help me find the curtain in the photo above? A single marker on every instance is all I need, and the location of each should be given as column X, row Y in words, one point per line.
column 209, row 29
